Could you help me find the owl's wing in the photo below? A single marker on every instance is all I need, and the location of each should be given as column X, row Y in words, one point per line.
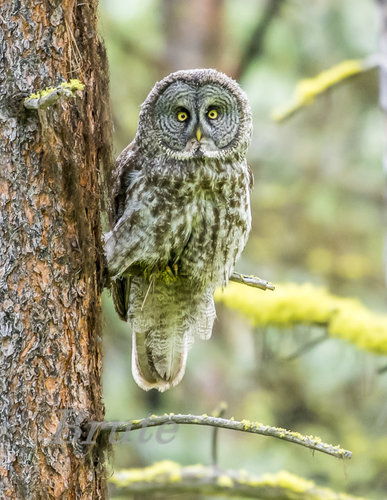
column 147, row 225
column 120, row 286
column 121, row 176
column 122, row 241
column 132, row 240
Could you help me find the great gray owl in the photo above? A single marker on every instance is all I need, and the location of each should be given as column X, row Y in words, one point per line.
column 182, row 217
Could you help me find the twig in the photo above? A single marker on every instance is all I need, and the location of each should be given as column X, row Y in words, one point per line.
column 169, row 477
column 255, row 45
column 218, row 412
column 253, row 281
column 382, row 369
column 151, row 282
column 307, row 347
column 312, row 442
column 50, row 96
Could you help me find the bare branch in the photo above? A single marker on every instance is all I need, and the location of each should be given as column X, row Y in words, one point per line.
column 381, row 370
column 218, row 412
column 312, row 442
column 253, row 281
column 308, row 346
column 169, row 477
column 255, row 45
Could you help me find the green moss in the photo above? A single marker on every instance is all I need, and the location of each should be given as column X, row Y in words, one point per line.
column 292, row 304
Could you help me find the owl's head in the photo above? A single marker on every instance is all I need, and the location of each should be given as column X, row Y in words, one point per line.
column 195, row 114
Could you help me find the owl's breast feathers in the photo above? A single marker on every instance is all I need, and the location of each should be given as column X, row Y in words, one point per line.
column 195, row 212
column 208, row 204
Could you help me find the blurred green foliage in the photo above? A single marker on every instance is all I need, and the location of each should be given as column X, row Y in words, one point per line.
column 317, row 217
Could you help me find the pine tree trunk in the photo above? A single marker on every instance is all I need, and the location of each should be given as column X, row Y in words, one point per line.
column 53, row 168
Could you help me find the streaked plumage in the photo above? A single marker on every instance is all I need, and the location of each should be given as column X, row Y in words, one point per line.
column 181, row 205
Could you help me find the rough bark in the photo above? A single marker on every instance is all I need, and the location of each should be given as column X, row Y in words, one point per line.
column 53, row 168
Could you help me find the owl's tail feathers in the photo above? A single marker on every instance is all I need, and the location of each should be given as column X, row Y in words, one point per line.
column 206, row 315
column 158, row 363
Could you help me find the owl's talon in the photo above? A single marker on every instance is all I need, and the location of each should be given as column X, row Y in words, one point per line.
column 169, row 272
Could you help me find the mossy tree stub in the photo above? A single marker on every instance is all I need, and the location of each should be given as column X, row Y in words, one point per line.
column 54, row 165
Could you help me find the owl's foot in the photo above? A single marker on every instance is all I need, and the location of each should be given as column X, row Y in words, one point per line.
column 172, row 271
column 169, row 274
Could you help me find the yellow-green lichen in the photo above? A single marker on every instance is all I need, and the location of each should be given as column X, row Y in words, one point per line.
column 246, row 424
column 282, row 433
column 168, row 472
column 73, row 85
column 225, row 481
column 308, row 89
column 197, row 470
column 292, row 304
column 286, row 480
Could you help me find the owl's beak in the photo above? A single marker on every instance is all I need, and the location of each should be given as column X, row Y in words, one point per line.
column 198, row 134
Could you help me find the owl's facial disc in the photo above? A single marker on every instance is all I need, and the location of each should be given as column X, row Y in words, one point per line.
column 198, row 120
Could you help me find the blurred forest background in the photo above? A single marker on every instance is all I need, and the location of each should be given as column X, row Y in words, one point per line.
column 317, row 218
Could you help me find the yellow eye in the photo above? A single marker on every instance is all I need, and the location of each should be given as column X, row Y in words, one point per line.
column 182, row 116
column 212, row 114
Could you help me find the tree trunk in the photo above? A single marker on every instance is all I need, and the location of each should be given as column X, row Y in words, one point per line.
column 54, row 165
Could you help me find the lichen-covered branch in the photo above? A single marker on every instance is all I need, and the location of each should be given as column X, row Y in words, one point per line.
column 306, row 304
column 252, row 281
column 312, row 442
column 51, row 95
column 169, row 477
column 308, row 89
